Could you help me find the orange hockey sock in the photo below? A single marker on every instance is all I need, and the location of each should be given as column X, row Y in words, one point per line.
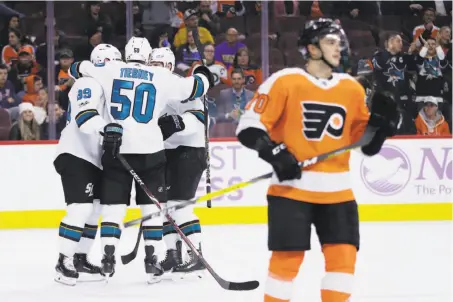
column 340, row 267
column 283, row 268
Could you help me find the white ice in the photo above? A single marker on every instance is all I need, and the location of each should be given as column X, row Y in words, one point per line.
column 398, row 262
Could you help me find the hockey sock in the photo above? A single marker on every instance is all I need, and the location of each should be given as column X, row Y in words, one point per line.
column 152, row 229
column 338, row 282
column 112, row 217
column 71, row 227
column 90, row 229
column 189, row 223
column 283, row 269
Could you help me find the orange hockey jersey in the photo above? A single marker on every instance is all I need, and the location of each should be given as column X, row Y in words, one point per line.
column 312, row 117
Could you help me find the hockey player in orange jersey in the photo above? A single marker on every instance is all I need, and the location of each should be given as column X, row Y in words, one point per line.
column 295, row 115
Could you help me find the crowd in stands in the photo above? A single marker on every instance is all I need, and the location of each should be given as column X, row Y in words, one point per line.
column 401, row 46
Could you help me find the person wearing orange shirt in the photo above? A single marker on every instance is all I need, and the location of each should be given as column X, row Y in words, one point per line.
column 430, row 120
column 298, row 114
column 427, row 29
column 253, row 73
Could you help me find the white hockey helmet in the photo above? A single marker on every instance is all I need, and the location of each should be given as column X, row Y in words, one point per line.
column 138, row 49
column 104, row 53
column 165, row 56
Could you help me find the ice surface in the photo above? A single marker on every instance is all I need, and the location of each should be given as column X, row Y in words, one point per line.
column 398, row 262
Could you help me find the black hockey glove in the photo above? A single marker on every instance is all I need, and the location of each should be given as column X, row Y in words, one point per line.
column 384, row 113
column 112, row 134
column 284, row 163
column 207, row 73
column 170, row 124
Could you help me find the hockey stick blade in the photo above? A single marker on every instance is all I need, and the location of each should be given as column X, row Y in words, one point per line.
column 242, row 286
column 126, row 259
column 365, row 139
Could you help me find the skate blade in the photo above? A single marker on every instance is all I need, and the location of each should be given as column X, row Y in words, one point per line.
column 196, row 275
column 154, row 280
column 86, row 278
column 65, row 280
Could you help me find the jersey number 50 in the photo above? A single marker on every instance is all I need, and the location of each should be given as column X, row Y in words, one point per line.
column 138, row 114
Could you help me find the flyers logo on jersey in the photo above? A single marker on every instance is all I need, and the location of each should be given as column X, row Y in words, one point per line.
column 320, row 119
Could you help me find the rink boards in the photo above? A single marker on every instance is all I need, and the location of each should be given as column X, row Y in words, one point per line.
column 410, row 180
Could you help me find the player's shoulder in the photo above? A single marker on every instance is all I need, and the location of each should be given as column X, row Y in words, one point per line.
column 86, row 82
column 284, row 76
column 346, row 80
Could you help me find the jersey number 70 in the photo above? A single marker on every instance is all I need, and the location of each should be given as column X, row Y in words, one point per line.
column 138, row 114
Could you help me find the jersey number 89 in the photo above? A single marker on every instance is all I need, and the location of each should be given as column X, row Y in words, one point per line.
column 137, row 107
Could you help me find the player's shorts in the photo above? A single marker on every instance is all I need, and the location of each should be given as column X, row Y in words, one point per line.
column 116, row 183
column 290, row 221
column 80, row 178
column 184, row 168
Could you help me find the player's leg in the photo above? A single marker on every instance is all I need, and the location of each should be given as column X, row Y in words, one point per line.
column 337, row 226
column 116, row 185
column 289, row 224
column 151, row 169
column 187, row 166
column 75, row 175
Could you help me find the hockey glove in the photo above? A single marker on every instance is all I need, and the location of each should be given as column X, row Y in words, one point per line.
column 112, row 134
column 384, row 113
column 207, row 73
column 284, row 163
column 170, row 124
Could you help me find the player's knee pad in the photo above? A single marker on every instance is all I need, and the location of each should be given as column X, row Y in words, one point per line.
column 152, row 228
column 283, row 268
column 285, row 265
column 340, row 267
column 112, row 218
column 77, row 214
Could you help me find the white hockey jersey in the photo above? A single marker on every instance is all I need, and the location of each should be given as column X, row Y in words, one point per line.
column 81, row 136
column 192, row 113
column 135, row 96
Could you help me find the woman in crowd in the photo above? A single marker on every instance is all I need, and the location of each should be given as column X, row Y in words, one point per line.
column 253, row 74
column 26, row 128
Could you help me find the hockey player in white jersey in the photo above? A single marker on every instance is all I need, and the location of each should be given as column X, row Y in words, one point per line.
column 136, row 94
column 78, row 161
column 185, row 152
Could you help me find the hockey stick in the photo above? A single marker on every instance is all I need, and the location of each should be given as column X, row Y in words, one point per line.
column 196, row 39
column 364, row 140
column 228, row 285
column 125, row 259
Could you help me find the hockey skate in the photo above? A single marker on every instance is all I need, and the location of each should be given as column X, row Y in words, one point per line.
column 172, row 259
column 108, row 262
column 152, row 266
column 87, row 271
column 192, row 267
column 66, row 272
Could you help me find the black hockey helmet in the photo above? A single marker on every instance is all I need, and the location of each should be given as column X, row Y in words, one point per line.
column 315, row 30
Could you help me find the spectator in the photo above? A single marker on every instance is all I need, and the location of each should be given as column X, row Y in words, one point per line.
column 10, row 51
column 390, row 71
column 252, row 72
column 232, row 100
column 40, row 106
column 444, row 37
column 83, row 52
column 208, row 19
column 217, row 68
column 157, row 15
column 225, row 51
column 23, row 68
column 286, row 8
column 230, row 9
column 187, row 54
column 12, row 23
column 191, row 22
column 59, row 40
column 63, row 80
column 430, row 120
column 430, row 62
column 427, row 28
column 25, row 128
column 98, row 21
column 33, row 84
column 60, row 124
column 8, row 97
column 318, row 9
